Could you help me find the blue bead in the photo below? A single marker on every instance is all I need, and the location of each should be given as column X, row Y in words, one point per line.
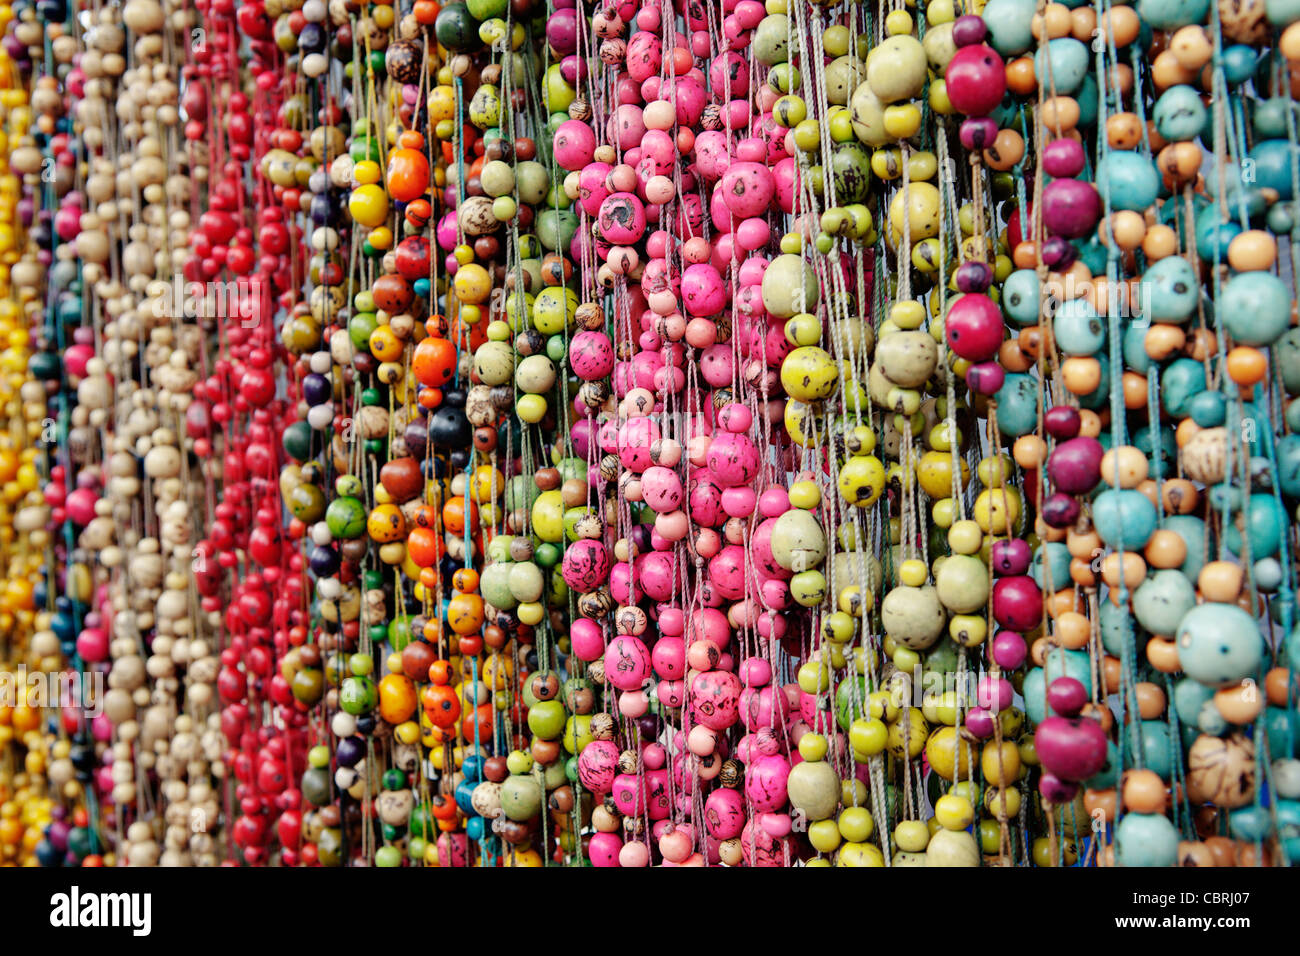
column 1239, row 63
column 1256, row 308
column 1069, row 65
column 1179, row 114
column 1009, row 25
column 1172, row 14
column 1219, row 644
column 1192, row 530
column 1272, row 166
column 1170, row 290
column 1209, row 409
column 1020, row 297
column 1124, row 518
column 1146, row 839
column 1267, row 523
column 1132, row 179
column 1056, row 556
column 1078, row 328
column 1182, row 380
column 1017, row 405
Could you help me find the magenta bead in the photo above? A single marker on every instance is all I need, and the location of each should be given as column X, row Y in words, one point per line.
column 1017, row 603
column 985, row 378
column 1074, row 466
column 1010, row 556
column 1071, row 748
column 1066, row 696
column 1063, row 158
column 976, row 80
column 1071, row 208
column 973, row 328
column 1062, row 422
column 1009, row 650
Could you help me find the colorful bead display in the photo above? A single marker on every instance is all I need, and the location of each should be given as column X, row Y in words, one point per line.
column 649, row 433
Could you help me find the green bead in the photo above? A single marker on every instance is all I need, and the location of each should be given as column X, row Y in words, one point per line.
column 345, row 518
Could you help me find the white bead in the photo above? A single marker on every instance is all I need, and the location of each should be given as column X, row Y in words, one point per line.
column 343, row 724
column 321, row 417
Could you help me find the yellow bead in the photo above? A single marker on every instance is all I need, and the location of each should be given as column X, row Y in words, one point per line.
column 913, row 573
column 911, row 836
column 824, row 835
column 953, row 812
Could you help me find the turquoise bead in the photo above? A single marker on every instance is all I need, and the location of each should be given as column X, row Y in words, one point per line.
column 1146, row 839
column 1155, row 748
column 1162, row 599
column 1009, row 25
column 1239, row 63
column 1114, row 623
column 1269, row 118
column 1055, row 556
column 1219, row 644
column 1170, row 290
column 1162, row 450
column 1020, row 297
column 1283, row 736
column 1288, row 821
column 1288, row 465
column 1172, row 14
column 1282, row 13
column 1189, row 698
column 1280, row 219
column 1132, row 179
column 1087, row 97
column 1267, row 523
column 1108, row 775
column 1124, row 518
column 1250, row 823
column 1017, row 405
column 1181, row 381
column 1286, row 354
column 1256, row 308
column 1078, row 328
column 1214, row 235
column 1070, row 63
column 1133, row 346
column 1192, row 530
column 1272, row 165
column 1209, row 409
column 1179, row 114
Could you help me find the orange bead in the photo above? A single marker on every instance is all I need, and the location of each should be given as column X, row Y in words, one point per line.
column 1123, row 131
column 1029, row 451
column 1241, row 704
column 1081, row 374
column 1144, row 792
column 1135, row 390
column 1020, row 76
column 1159, row 242
column 1163, row 655
column 1220, row 581
column 434, row 362
column 1161, row 341
column 1151, row 700
column 1072, row 631
column 1166, row 549
column 1247, row 365
column 1180, row 496
column 1089, row 423
column 1275, row 686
